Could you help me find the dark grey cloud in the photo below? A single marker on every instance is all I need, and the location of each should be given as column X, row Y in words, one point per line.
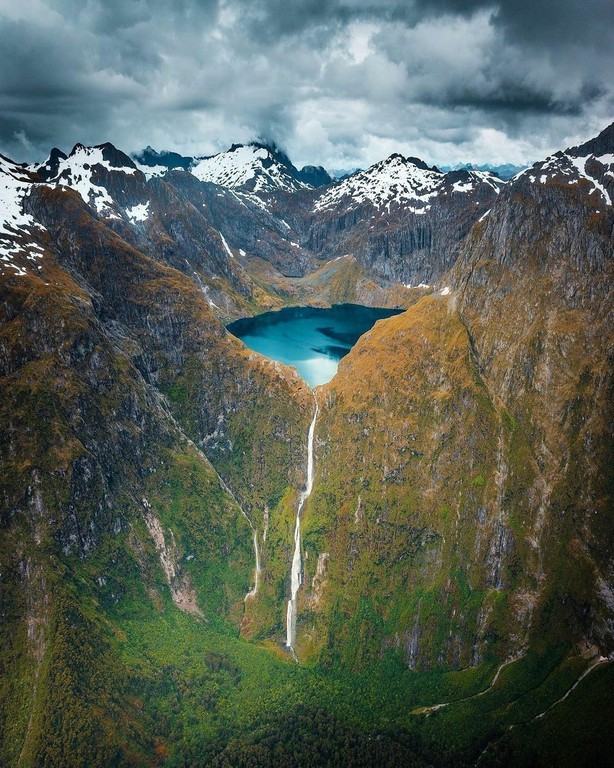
column 578, row 24
column 339, row 82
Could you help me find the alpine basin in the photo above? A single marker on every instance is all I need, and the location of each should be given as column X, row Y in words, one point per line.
column 310, row 338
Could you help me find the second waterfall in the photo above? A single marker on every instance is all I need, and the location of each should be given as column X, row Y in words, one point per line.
column 296, row 576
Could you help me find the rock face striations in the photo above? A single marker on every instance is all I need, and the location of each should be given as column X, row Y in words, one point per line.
column 401, row 219
column 460, row 468
column 535, row 292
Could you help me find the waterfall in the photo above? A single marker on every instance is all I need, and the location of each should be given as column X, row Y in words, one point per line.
column 253, row 592
column 296, row 577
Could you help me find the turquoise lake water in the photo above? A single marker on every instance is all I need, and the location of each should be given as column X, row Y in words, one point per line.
column 311, row 339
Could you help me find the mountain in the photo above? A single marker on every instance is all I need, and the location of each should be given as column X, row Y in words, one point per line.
column 589, row 164
column 176, row 218
column 257, row 168
column 343, row 173
column 103, row 491
column 455, row 602
column 481, row 423
column 165, row 159
column 401, row 219
column 402, row 182
column 16, row 225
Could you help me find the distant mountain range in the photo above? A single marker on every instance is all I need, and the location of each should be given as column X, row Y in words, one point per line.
column 505, row 171
column 166, row 159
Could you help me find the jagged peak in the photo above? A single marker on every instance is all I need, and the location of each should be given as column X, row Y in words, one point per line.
column 165, row 158
column 18, row 171
column 254, row 167
column 105, row 154
column 408, row 182
column 398, row 157
column 395, row 181
column 315, row 175
column 591, row 162
column 56, row 154
column 49, row 168
column 602, row 144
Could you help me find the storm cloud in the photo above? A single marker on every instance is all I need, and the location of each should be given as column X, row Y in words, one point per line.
column 335, row 82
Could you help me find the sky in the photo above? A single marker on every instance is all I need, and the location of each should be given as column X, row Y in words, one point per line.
column 339, row 83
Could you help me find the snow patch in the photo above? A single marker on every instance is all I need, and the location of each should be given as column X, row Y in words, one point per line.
column 138, row 212
column 484, row 215
column 392, row 182
column 225, row 244
column 573, row 169
column 462, row 186
column 153, row 171
column 398, row 182
column 76, row 172
column 14, row 222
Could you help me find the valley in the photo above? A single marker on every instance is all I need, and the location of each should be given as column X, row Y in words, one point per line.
column 403, row 559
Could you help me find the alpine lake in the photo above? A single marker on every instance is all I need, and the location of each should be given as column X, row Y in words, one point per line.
column 312, row 339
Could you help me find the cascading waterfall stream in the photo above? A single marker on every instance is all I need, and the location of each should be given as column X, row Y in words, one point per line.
column 296, row 576
column 253, row 592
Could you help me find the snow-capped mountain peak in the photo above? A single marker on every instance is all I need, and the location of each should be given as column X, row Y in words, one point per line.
column 250, row 167
column 392, row 182
column 83, row 170
column 402, row 182
column 592, row 162
column 16, row 247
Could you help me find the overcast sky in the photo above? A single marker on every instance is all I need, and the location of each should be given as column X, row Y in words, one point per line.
column 341, row 83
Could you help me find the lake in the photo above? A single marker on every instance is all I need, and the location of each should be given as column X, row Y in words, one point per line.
column 309, row 338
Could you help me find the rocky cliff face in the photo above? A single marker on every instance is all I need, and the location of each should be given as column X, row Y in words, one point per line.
column 401, row 219
column 420, row 556
column 480, row 424
column 535, row 291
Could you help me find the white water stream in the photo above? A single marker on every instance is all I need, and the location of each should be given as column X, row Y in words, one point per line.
column 296, row 576
column 254, row 591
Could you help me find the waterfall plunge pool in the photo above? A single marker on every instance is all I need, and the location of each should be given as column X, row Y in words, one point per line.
column 311, row 339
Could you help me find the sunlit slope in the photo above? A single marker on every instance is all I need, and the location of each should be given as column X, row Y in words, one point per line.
column 411, row 550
